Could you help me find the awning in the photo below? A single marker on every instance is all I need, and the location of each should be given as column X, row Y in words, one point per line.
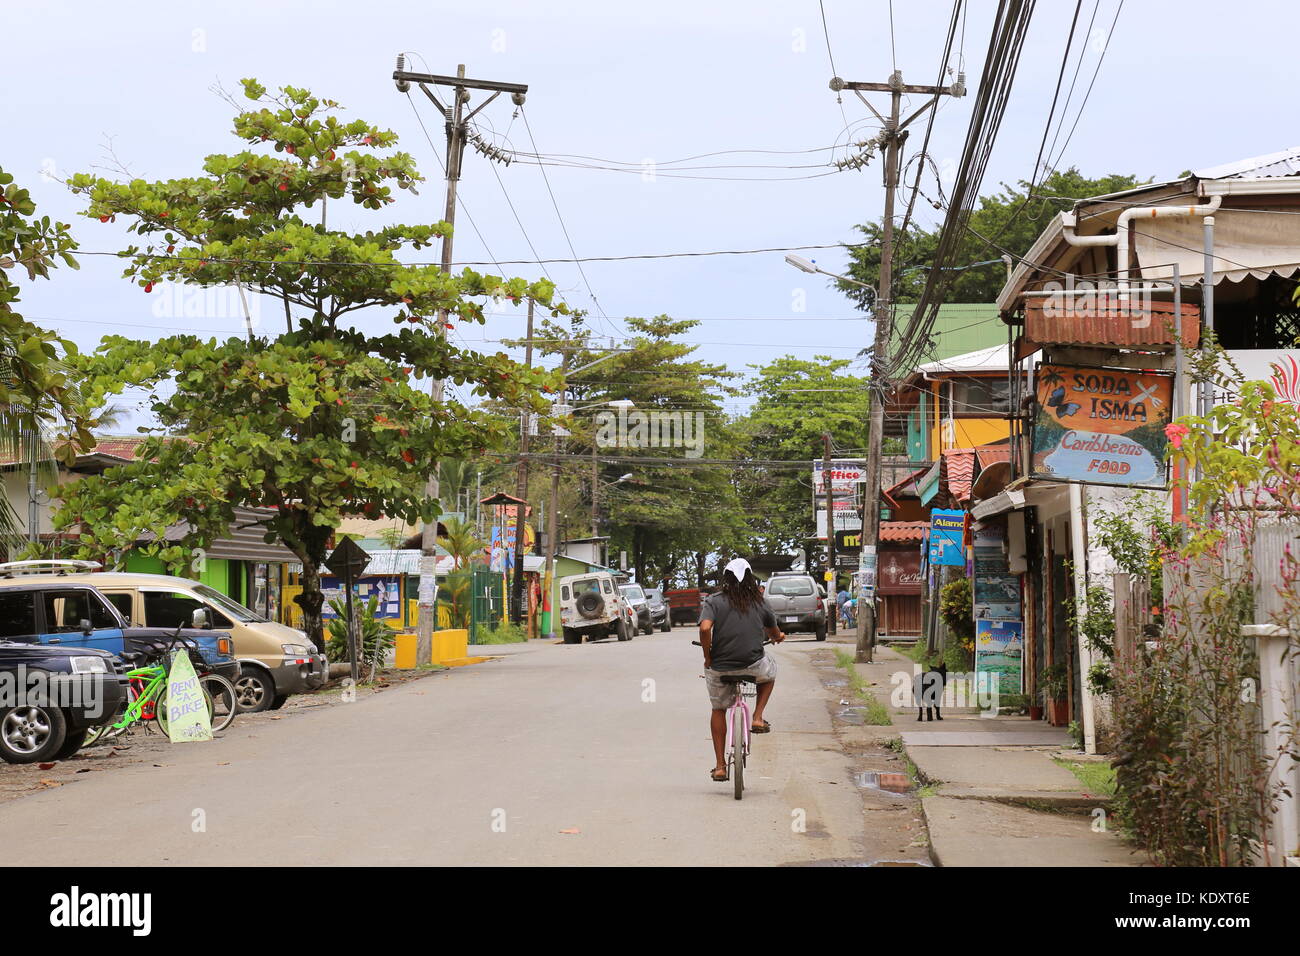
column 1246, row 243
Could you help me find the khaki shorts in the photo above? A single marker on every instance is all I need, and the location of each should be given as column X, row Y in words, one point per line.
column 722, row 695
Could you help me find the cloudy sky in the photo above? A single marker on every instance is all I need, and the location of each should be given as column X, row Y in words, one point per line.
column 640, row 84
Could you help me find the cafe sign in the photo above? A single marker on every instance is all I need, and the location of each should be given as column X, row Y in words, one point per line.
column 1101, row 425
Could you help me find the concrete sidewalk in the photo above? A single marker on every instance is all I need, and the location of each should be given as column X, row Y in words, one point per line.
column 991, row 792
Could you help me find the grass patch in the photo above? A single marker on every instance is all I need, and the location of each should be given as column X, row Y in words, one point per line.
column 1097, row 777
column 501, row 634
column 877, row 714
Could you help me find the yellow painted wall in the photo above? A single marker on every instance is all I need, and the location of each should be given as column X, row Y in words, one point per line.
column 448, row 645
column 963, row 432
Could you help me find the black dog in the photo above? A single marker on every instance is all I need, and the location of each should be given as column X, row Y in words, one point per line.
column 928, row 691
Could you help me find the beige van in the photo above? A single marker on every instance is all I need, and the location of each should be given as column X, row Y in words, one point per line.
column 275, row 661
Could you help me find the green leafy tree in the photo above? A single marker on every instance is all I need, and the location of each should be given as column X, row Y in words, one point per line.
column 36, row 392
column 1009, row 220
column 323, row 421
column 666, row 513
column 796, row 402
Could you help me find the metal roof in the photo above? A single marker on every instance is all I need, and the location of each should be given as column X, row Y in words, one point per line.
column 1285, row 162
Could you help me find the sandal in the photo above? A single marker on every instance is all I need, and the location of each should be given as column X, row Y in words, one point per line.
column 765, row 728
column 713, row 774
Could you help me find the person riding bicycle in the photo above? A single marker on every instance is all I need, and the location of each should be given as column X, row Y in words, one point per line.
column 733, row 625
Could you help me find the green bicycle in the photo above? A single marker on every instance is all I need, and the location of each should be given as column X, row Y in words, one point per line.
column 148, row 693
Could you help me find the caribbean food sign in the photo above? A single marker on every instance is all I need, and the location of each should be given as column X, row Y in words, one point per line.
column 1102, row 426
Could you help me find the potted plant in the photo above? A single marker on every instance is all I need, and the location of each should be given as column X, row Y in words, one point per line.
column 1055, row 683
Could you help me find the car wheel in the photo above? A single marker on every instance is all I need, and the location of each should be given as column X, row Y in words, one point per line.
column 648, row 629
column 75, row 740
column 821, row 633
column 571, row 636
column 31, row 734
column 624, row 632
column 254, row 690
column 666, row 626
column 279, row 701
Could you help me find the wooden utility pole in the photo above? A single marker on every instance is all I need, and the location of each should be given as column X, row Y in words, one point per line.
column 521, row 491
column 456, row 121
column 892, row 136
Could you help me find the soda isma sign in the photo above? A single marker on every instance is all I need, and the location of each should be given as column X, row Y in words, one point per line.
column 1101, row 425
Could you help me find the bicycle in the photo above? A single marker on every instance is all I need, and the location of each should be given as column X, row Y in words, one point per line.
column 739, row 724
column 148, row 695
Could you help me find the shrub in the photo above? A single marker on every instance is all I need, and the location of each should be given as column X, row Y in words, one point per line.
column 374, row 637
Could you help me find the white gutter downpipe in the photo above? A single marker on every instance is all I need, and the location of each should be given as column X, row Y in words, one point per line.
column 1120, row 238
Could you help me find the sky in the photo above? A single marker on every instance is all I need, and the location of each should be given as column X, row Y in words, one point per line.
column 642, row 84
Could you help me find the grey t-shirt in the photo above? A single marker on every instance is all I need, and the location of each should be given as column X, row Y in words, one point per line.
column 737, row 638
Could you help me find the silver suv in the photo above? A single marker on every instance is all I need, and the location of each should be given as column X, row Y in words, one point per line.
column 797, row 602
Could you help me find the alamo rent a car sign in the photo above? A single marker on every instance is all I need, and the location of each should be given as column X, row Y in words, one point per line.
column 1101, row 425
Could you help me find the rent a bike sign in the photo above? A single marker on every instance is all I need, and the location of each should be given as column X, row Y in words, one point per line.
column 1102, row 426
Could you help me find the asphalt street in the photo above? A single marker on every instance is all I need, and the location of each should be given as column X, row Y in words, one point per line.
column 550, row 755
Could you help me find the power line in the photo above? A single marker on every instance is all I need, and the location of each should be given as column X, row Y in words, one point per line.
column 564, row 228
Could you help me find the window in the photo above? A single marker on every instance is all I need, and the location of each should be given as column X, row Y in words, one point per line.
column 564, row 593
column 176, row 609
column 634, row 592
column 791, row 587
column 124, row 601
column 17, row 614
column 588, row 586
column 979, row 397
column 609, row 588
column 65, row 610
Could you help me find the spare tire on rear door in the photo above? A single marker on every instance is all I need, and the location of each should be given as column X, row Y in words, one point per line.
column 590, row 604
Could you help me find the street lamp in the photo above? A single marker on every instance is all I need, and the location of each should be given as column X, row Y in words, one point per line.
column 808, row 265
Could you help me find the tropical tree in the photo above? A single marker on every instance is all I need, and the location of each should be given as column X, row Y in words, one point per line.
column 323, row 420
column 796, row 403
column 672, row 506
column 1007, row 221
column 36, row 394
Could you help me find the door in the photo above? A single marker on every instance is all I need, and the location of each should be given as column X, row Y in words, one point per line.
column 66, row 609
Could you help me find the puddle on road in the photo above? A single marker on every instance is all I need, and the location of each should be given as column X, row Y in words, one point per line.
column 852, row 715
column 898, row 784
column 834, row 683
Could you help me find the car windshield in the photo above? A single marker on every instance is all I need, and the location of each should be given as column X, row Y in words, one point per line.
column 232, row 608
column 792, row 587
column 633, row 592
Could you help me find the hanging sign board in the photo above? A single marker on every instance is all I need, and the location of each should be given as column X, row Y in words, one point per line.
column 1101, row 425
column 947, row 532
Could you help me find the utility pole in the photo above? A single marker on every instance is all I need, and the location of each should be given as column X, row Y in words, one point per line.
column 456, row 121
column 892, row 137
column 521, row 491
column 830, row 529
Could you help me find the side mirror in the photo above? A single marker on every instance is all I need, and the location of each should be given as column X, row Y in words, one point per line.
column 86, row 629
column 199, row 618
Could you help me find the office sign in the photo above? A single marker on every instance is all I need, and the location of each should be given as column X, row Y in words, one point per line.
column 1102, row 426
column 845, row 474
column 947, row 534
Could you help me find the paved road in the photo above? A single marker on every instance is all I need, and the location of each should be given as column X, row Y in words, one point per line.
column 488, row 764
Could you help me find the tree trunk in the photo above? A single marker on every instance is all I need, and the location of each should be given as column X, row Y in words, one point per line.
column 311, row 600
column 638, row 556
column 699, row 570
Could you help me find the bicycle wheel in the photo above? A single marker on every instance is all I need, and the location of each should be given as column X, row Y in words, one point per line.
column 224, row 700
column 160, row 709
column 738, row 730
column 105, row 732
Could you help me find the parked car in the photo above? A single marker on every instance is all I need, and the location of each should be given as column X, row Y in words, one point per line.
column 276, row 661
column 797, row 602
column 51, row 609
column 635, row 596
column 684, row 605
column 592, row 606
column 658, row 609
column 51, row 696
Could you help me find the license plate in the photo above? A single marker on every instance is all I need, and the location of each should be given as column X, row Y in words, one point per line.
column 790, row 620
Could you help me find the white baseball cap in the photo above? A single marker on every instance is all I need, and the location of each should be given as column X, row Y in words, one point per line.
column 739, row 567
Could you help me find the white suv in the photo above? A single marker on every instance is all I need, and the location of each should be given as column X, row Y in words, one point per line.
column 592, row 605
